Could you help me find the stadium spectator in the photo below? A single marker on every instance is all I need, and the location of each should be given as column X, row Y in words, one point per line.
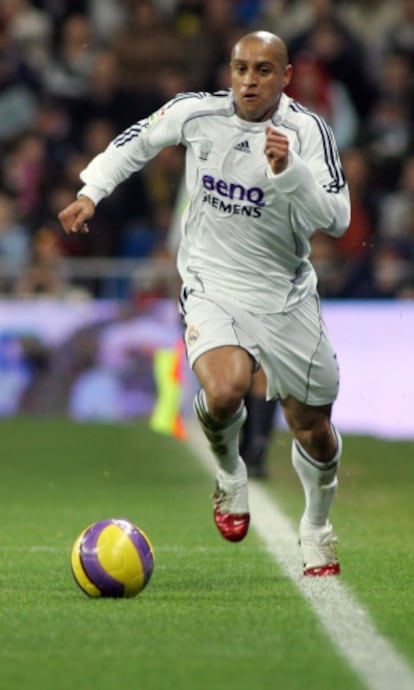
column 390, row 270
column 398, row 37
column 212, row 29
column 97, row 134
column 332, row 269
column 368, row 20
column 107, row 17
column 14, row 242
column 54, row 126
column 406, row 291
column 30, row 28
column 44, row 275
column 388, row 139
column 395, row 80
column 145, row 46
column 68, row 76
column 249, row 292
column 329, row 39
column 24, row 170
column 315, row 89
column 292, row 17
column 361, row 233
column 60, row 10
column 365, row 46
column 19, row 88
column 163, row 176
column 107, row 98
column 396, row 219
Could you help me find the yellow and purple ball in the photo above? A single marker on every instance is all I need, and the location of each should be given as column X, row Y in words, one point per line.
column 112, row 558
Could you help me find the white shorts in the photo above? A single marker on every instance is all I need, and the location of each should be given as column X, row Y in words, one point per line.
column 293, row 348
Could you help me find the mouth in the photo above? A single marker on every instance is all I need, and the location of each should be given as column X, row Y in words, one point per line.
column 250, row 97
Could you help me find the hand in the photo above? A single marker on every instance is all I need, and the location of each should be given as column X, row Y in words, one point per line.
column 73, row 218
column 276, row 150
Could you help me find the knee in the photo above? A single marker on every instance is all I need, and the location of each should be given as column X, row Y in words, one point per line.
column 318, row 440
column 225, row 375
column 224, row 397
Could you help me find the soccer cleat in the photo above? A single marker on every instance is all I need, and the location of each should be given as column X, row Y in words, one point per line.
column 319, row 553
column 231, row 511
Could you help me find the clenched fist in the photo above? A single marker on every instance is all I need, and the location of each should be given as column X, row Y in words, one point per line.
column 74, row 217
column 276, row 149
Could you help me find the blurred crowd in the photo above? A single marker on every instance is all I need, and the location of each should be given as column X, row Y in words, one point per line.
column 73, row 73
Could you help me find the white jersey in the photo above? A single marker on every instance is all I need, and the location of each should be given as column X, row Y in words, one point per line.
column 245, row 233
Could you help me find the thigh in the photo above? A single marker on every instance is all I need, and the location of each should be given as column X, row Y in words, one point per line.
column 300, row 360
column 209, row 325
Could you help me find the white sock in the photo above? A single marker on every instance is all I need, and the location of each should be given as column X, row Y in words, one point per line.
column 319, row 481
column 223, row 438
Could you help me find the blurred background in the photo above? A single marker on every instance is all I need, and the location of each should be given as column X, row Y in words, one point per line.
column 82, row 318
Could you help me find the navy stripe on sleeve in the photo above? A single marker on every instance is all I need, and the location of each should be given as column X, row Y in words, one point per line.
column 330, row 149
column 130, row 133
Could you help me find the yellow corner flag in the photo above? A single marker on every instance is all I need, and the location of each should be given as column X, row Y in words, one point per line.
column 166, row 416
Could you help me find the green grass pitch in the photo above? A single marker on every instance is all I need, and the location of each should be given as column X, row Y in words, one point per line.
column 215, row 616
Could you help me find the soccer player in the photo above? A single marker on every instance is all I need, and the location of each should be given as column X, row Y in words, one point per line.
column 262, row 174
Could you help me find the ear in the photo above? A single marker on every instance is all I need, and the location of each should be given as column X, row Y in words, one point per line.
column 287, row 75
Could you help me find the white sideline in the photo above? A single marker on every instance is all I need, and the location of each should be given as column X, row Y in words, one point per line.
column 346, row 622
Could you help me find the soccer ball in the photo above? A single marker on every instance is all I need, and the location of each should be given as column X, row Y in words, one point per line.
column 112, row 558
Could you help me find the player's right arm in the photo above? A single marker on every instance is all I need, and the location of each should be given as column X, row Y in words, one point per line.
column 74, row 218
column 126, row 154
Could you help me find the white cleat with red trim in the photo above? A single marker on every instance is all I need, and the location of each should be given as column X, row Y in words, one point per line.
column 231, row 509
column 319, row 552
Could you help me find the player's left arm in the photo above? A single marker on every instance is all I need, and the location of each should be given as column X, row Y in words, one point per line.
column 313, row 180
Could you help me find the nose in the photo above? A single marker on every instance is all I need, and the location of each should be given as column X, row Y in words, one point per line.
column 249, row 77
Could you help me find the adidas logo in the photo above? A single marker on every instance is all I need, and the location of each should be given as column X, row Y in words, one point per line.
column 243, row 146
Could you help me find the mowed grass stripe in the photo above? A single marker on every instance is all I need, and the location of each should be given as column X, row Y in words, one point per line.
column 345, row 620
column 215, row 616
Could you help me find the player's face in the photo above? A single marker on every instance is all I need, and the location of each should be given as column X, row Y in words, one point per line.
column 258, row 77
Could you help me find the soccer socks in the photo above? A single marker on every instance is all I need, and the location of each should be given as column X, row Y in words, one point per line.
column 257, row 431
column 231, row 507
column 223, row 437
column 319, row 481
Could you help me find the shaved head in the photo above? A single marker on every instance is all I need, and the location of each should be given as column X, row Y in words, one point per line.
column 276, row 45
column 259, row 72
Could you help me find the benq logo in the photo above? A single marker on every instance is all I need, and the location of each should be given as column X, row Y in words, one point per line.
column 234, row 191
